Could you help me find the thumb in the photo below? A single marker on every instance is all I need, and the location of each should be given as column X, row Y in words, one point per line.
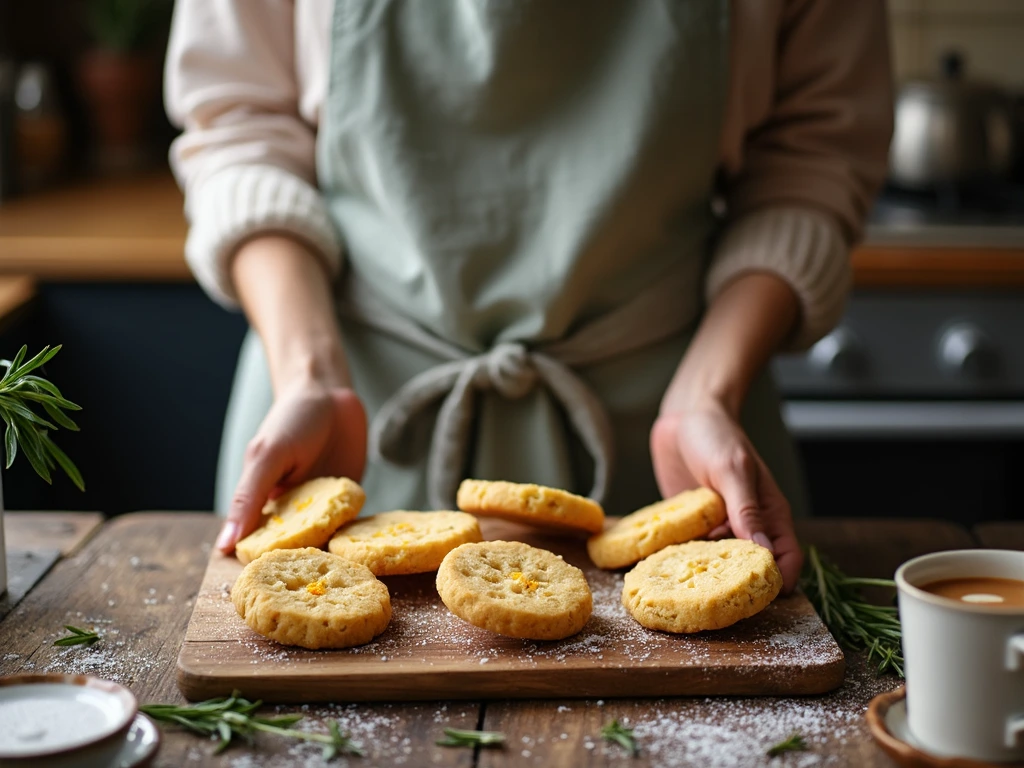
column 263, row 470
column 738, row 486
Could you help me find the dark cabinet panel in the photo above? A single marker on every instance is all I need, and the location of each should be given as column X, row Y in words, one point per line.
column 151, row 365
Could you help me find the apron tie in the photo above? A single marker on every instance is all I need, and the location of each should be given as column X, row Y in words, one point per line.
column 513, row 370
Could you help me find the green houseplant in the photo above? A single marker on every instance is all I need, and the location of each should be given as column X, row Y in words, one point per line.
column 32, row 407
column 120, row 75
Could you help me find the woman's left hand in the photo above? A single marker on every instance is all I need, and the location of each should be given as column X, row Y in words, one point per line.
column 705, row 446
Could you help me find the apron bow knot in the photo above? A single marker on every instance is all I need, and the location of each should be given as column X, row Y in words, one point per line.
column 509, row 369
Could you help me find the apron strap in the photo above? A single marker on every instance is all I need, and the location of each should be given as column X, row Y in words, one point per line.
column 510, row 368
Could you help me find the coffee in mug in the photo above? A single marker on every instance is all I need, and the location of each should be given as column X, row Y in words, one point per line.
column 962, row 618
column 980, row 591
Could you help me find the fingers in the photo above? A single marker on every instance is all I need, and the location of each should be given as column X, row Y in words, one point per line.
column 670, row 470
column 758, row 511
column 265, row 466
column 721, row 532
column 738, row 484
column 779, row 521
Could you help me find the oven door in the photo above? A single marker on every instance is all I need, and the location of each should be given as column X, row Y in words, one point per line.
column 956, row 461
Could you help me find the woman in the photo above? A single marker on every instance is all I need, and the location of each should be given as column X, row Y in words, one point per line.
column 491, row 227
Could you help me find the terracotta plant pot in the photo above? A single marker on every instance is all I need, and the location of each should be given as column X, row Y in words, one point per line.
column 120, row 90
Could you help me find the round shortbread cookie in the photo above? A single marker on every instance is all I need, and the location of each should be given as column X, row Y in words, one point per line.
column 396, row 543
column 531, row 504
column 684, row 517
column 701, row 585
column 306, row 516
column 515, row 590
column 311, row 598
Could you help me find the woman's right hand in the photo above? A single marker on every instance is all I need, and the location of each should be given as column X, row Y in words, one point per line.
column 316, row 426
column 312, row 430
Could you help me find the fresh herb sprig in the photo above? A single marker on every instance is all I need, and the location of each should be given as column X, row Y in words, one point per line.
column 621, row 735
column 20, row 391
column 229, row 718
column 455, row 737
column 856, row 624
column 794, row 743
column 78, row 636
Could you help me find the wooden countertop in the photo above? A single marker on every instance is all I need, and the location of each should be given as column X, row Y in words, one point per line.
column 137, row 578
column 118, row 229
column 133, row 229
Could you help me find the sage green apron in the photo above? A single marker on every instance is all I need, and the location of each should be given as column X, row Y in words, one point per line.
column 523, row 188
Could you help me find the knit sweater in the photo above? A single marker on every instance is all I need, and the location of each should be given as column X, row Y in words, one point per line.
column 803, row 147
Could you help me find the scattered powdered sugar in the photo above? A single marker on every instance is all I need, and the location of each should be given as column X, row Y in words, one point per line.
column 381, row 730
column 114, row 657
column 731, row 732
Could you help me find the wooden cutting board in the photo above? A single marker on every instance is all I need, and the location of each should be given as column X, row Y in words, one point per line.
column 429, row 654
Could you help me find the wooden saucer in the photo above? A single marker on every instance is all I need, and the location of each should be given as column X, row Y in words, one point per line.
column 887, row 720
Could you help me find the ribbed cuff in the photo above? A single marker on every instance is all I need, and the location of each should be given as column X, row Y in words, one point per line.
column 802, row 246
column 236, row 203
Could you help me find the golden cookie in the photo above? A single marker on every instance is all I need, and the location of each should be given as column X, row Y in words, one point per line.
column 514, row 589
column 530, row 504
column 701, row 585
column 306, row 516
column 311, row 598
column 394, row 543
column 685, row 517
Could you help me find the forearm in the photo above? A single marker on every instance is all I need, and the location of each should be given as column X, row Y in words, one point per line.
column 744, row 326
column 286, row 294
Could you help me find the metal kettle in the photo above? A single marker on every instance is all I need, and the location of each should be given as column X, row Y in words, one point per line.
column 951, row 131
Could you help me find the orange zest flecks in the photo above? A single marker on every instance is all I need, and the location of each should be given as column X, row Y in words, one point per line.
column 301, row 505
column 317, row 587
column 394, row 530
column 526, row 583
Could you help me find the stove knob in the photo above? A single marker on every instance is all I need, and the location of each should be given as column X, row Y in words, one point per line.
column 837, row 353
column 965, row 349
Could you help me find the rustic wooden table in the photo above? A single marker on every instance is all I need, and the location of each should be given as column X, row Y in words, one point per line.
column 137, row 577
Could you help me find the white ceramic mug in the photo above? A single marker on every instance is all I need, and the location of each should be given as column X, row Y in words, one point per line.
column 964, row 661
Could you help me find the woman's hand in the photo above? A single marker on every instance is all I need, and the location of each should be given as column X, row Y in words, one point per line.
column 705, row 446
column 311, row 431
column 317, row 425
column 698, row 440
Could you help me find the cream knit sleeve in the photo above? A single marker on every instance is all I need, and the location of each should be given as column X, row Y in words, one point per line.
column 810, row 170
column 246, row 158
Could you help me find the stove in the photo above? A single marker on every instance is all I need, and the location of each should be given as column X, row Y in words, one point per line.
column 979, row 215
column 917, row 397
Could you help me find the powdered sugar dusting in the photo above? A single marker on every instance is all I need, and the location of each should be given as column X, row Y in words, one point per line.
column 389, row 734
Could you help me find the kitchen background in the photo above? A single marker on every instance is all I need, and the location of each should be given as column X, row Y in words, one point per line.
column 914, row 406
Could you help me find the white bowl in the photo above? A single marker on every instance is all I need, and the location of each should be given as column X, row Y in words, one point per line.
column 62, row 720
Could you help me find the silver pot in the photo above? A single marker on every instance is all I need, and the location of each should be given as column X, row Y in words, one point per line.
column 951, row 131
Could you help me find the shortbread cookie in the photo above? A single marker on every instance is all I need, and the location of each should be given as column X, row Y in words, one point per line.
column 306, row 516
column 530, row 504
column 685, row 517
column 311, row 598
column 701, row 585
column 395, row 543
column 514, row 589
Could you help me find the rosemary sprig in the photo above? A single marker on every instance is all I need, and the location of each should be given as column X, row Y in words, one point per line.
column 229, row 718
column 77, row 637
column 794, row 743
column 20, row 392
column 856, row 624
column 621, row 735
column 454, row 737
